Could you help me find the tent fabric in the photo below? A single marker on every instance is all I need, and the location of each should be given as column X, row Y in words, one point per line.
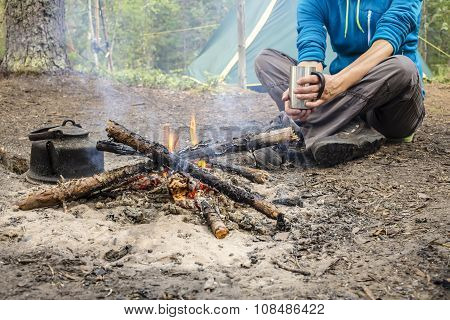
column 278, row 32
column 222, row 46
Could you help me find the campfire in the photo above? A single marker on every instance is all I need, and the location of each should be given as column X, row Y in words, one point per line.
column 189, row 177
column 193, row 131
column 170, row 137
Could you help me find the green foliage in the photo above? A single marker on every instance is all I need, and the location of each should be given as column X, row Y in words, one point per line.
column 441, row 74
column 435, row 29
column 155, row 79
column 152, row 37
column 145, row 34
column 152, row 41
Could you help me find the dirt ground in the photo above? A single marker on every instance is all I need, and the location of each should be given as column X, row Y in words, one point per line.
column 375, row 228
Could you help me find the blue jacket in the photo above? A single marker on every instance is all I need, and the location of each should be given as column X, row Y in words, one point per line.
column 353, row 25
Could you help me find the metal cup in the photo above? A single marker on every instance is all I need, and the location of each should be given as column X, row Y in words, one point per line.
column 298, row 72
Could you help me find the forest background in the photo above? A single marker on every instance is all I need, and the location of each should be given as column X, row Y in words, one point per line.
column 152, row 42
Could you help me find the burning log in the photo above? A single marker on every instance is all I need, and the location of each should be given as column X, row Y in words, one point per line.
column 246, row 143
column 161, row 156
column 178, row 187
column 116, row 148
column 254, row 175
column 235, row 193
column 76, row 189
column 155, row 151
column 213, row 218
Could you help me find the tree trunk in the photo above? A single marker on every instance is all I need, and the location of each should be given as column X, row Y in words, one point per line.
column 425, row 34
column 35, row 36
column 242, row 65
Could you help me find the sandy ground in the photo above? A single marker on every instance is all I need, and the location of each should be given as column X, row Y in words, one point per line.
column 375, row 228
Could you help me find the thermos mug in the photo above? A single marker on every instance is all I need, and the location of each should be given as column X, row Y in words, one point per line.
column 298, row 72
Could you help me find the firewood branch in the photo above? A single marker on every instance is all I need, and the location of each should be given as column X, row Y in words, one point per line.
column 213, row 218
column 116, row 148
column 246, row 143
column 77, row 189
column 254, row 175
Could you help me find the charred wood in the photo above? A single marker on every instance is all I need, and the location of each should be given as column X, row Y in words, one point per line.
column 254, row 175
column 161, row 156
column 116, row 148
column 246, row 143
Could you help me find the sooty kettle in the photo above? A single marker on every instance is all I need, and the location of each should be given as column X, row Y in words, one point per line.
column 63, row 151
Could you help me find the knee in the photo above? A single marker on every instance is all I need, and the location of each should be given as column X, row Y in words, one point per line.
column 405, row 68
column 262, row 61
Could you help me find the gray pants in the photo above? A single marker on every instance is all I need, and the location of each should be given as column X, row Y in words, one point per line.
column 389, row 98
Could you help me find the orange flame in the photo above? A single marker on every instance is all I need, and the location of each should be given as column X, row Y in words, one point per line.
column 171, row 142
column 170, row 138
column 193, row 131
column 202, row 164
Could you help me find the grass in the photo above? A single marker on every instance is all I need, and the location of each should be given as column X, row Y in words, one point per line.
column 441, row 74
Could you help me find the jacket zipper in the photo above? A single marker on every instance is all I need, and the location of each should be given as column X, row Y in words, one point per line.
column 369, row 35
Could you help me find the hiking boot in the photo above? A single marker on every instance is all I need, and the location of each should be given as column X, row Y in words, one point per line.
column 356, row 140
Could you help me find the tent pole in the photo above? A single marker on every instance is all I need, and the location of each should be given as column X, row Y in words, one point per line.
column 242, row 69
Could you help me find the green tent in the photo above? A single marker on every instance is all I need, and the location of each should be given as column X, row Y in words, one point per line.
column 269, row 24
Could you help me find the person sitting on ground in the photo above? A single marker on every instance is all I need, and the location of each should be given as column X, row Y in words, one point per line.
column 374, row 90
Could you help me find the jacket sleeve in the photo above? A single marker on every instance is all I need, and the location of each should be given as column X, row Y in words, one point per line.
column 397, row 22
column 312, row 35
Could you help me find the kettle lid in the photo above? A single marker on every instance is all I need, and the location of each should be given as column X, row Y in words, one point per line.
column 58, row 132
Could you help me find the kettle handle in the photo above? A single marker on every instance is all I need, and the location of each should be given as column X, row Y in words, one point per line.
column 52, row 156
column 72, row 122
column 45, row 133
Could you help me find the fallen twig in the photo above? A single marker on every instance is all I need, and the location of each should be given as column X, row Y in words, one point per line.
column 287, row 268
column 369, row 293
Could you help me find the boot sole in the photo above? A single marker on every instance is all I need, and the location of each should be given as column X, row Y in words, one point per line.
column 330, row 153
